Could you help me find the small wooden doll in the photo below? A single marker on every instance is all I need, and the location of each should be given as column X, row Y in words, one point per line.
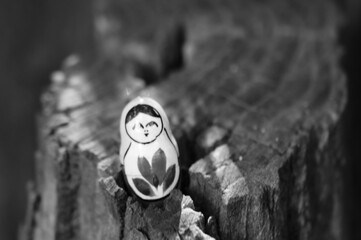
column 149, row 152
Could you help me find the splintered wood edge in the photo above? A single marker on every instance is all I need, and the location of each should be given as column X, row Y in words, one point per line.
column 76, row 92
column 236, row 80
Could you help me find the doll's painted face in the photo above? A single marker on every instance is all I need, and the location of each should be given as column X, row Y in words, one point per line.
column 143, row 124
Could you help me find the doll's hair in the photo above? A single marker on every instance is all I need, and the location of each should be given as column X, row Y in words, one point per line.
column 141, row 108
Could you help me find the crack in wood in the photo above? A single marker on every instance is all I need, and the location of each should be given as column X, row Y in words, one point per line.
column 254, row 70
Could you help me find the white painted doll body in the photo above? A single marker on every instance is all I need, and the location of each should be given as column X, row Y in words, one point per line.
column 149, row 152
column 158, row 184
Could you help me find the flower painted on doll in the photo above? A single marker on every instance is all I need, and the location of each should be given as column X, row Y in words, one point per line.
column 155, row 174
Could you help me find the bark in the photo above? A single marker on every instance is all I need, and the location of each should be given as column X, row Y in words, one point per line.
column 254, row 93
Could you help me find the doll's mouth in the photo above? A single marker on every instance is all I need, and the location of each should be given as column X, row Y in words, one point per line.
column 146, row 134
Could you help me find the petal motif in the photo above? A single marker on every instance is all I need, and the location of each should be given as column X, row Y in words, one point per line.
column 143, row 187
column 159, row 163
column 155, row 181
column 145, row 169
column 169, row 177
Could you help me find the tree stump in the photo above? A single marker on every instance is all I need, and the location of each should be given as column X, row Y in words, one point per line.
column 254, row 93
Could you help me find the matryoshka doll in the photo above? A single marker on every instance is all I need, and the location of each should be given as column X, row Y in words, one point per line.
column 149, row 152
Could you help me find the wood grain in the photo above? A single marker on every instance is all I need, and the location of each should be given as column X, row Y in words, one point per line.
column 254, row 103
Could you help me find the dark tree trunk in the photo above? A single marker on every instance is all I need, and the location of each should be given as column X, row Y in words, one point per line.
column 254, row 93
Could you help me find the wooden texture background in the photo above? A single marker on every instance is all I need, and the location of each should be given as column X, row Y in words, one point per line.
column 254, row 93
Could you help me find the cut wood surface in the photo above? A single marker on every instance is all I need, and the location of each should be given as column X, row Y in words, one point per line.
column 254, row 93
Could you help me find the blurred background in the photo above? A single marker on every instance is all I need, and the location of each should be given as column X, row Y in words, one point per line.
column 36, row 36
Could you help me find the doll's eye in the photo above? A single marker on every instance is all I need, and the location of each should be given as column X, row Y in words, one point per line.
column 152, row 123
column 141, row 125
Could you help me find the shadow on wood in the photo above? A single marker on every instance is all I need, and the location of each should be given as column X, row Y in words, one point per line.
column 255, row 105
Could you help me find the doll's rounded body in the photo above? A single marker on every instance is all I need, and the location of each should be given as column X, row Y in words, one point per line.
column 152, row 170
